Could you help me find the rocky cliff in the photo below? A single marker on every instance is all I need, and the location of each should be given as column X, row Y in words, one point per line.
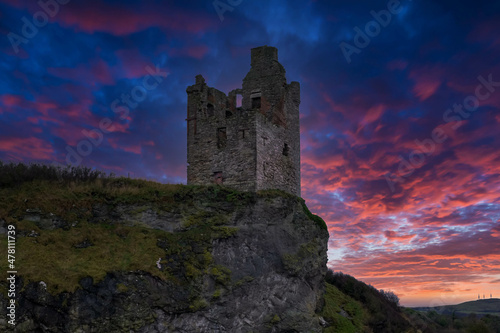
column 136, row 256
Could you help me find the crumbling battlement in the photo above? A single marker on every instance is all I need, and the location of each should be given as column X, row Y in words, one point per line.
column 250, row 147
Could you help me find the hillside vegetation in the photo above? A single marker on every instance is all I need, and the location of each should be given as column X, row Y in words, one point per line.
column 353, row 306
column 167, row 258
column 60, row 241
column 76, row 225
column 53, row 210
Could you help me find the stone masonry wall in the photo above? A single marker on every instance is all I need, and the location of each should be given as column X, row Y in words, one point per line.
column 278, row 158
column 221, row 149
column 252, row 147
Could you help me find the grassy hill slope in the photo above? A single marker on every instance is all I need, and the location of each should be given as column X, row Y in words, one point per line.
column 169, row 257
column 353, row 306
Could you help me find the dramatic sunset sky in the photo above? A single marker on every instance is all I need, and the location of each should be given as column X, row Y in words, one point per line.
column 400, row 125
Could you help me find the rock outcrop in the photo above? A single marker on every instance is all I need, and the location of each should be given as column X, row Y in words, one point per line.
column 231, row 262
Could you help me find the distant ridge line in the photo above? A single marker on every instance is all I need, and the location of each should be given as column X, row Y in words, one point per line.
column 480, row 307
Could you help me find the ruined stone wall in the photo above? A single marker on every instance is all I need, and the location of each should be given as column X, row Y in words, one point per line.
column 278, row 128
column 278, row 147
column 221, row 139
column 255, row 146
column 292, row 102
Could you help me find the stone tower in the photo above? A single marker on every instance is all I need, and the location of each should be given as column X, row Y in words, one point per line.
column 252, row 146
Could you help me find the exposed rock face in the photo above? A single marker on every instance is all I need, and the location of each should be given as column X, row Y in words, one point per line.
column 266, row 274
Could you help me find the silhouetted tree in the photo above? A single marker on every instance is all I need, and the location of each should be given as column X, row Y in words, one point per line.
column 390, row 296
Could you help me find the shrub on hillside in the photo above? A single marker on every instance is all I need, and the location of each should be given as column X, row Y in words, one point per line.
column 390, row 296
column 14, row 174
column 385, row 316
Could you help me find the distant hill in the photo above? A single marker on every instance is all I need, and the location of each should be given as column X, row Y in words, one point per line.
column 480, row 307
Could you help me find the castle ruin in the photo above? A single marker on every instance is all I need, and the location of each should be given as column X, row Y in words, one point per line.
column 252, row 146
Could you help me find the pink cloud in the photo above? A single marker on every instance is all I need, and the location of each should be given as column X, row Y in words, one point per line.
column 393, row 236
column 427, row 82
column 116, row 143
column 119, row 127
column 13, row 103
column 197, row 52
column 11, row 100
column 27, row 148
column 97, row 71
column 133, row 63
column 373, row 114
column 120, row 20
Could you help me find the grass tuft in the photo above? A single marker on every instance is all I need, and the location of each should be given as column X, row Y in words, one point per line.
column 318, row 220
column 342, row 312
